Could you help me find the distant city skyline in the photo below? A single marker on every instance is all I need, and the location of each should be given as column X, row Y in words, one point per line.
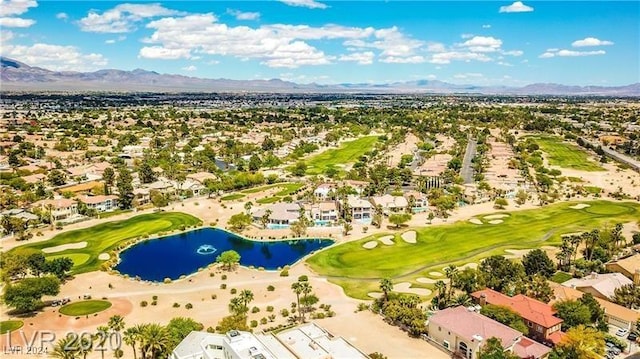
column 328, row 42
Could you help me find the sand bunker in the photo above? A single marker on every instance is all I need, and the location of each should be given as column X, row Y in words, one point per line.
column 370, row 245
column 64, row 247
column 375, row 295
column 516, row 253
column 496, row 216
column 496, row 221
column 424, row 280
column 475, row 221
column 470, row 265
column 104, row 256
column 580, row 206
column 436, row 274
column 387, row 240
column 405, row 287
column 409, row 237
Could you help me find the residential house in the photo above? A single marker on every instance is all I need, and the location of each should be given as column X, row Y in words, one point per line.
column 282, row 214
column 463, row 332
column 61, row 208
column 358, row 186
column 101, row 203
column 600, row 286
column 323, row 191
column 308, row 341
column 390, row 204
column 324, row 213
column 627, row 266
column 360, row 209
column 162, row 186
column 417, row 200
column 35, row 178
column 539, row 317
column 614, row 314
column 196, row 188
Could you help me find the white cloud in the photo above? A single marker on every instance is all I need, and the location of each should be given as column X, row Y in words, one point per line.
column 517, row 6
column 239, row 15
column 62, row 16
column 569, row 53
column 275, row 45
column 502, row 63
column 482, row 44
column 486, row 26
column 6, row 36
column 55, row 57
column 436, row 47
column 513, row 53
column 311, row 4
column 468, row 75
column 122, row 18
column 16, row 7
column 448, row 56
column 15, row 22
column 466, row 36
column 590, row 41
column 403, row 60
column 362, row 58
column 189, row 68
column 113, row 41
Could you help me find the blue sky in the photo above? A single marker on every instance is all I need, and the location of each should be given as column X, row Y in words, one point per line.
column 484, row 43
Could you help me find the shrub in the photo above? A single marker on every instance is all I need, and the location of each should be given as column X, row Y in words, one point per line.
column 234, row 291
column 254, row 323
column 271, row 288
column 188, row 306
column 155, row 297
column 272, row 317
column 167, row 280
column 263, row 321
column 212, row 274
column 214, row 296
column 284, row 273
column 224, row 277
column 255, row 310
column 211, row 330
column 303, row 278
column 155, row 302
column 223, row 286
column 270, row 308
column 144, row 303
column 176, row 305
column 362, row 306
column 284, row 312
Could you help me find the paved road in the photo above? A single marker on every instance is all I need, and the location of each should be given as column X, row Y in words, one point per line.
column 467, row 171
column 633, row 163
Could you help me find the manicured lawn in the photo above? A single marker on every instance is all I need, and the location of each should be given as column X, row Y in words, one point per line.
column 358, row 269
column 593, row 189
column 105, row 237
column 232, row 197
column 85, row 307
column 7, row 326
column 261, row 188
column 348, row 152
column 113, row 213
column 560, row 277
column 268, row 200
column 565, row 154
column 289, row 189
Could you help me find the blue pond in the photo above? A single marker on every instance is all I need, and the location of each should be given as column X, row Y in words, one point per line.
column 182, row 254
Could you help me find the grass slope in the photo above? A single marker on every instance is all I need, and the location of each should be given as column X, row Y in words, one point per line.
column 106, row 236
column 348, row 152
column 85, row 307
column 566, row 155
column 358, row 269
column 7, row 326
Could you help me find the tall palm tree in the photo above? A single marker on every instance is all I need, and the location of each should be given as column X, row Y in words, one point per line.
column 116, row 323
column 237, row 307
column 85, row 346
column 300, row 288
column 246, row 296
column 450, row 272
column 65, row 349
column 154, row 341
column 101, row 338
column 132, row 336
column 386, row 286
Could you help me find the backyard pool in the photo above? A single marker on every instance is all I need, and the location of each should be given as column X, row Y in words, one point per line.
column 182, row 254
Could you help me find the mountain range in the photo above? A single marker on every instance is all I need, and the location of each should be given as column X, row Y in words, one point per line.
column 17, row 76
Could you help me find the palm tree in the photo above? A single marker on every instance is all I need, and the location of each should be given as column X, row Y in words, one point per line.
column 154, row 341
column 300, row 288
column 247, row 207
column 264, row 220
column 450, row 272
column 237, row 306
column 132, row 336
column 85, row 346
column 462, row 299
column 65, row 349
column 116, row 323
column 386, row 286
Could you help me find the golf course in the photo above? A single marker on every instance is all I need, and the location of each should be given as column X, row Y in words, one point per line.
column 348, row 152
column 566, row 155
column 85, row 307
column 357, row 266
column 84, row 246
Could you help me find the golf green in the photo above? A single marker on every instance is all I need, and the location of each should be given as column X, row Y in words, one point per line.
column 85, row 307
column 7, row 326
column 105, row 237
column 438, row 246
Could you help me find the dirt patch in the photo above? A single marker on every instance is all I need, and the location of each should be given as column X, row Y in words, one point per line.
column 64, row 247
column 370, row 245
column 409, row 237
column 387, row 240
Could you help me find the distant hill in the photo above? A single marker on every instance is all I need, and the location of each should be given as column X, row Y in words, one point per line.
column 17, row 76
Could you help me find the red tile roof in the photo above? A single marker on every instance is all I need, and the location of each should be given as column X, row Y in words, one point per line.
column 528, row 308
column 527, row 348
column 556, row 337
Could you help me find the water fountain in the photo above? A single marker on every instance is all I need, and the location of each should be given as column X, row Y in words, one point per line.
column 206, row 249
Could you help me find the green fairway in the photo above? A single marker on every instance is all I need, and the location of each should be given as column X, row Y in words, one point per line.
column 267, row 200
column 348, row 152
column 7, row 326
column 104, row 237
column 85, row 307
column 358, row 269
column 566, row 155
column 232, row 197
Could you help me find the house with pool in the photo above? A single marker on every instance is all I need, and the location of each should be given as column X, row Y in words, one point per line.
column 280, row 215
column 361, row 210
column 324, row 213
